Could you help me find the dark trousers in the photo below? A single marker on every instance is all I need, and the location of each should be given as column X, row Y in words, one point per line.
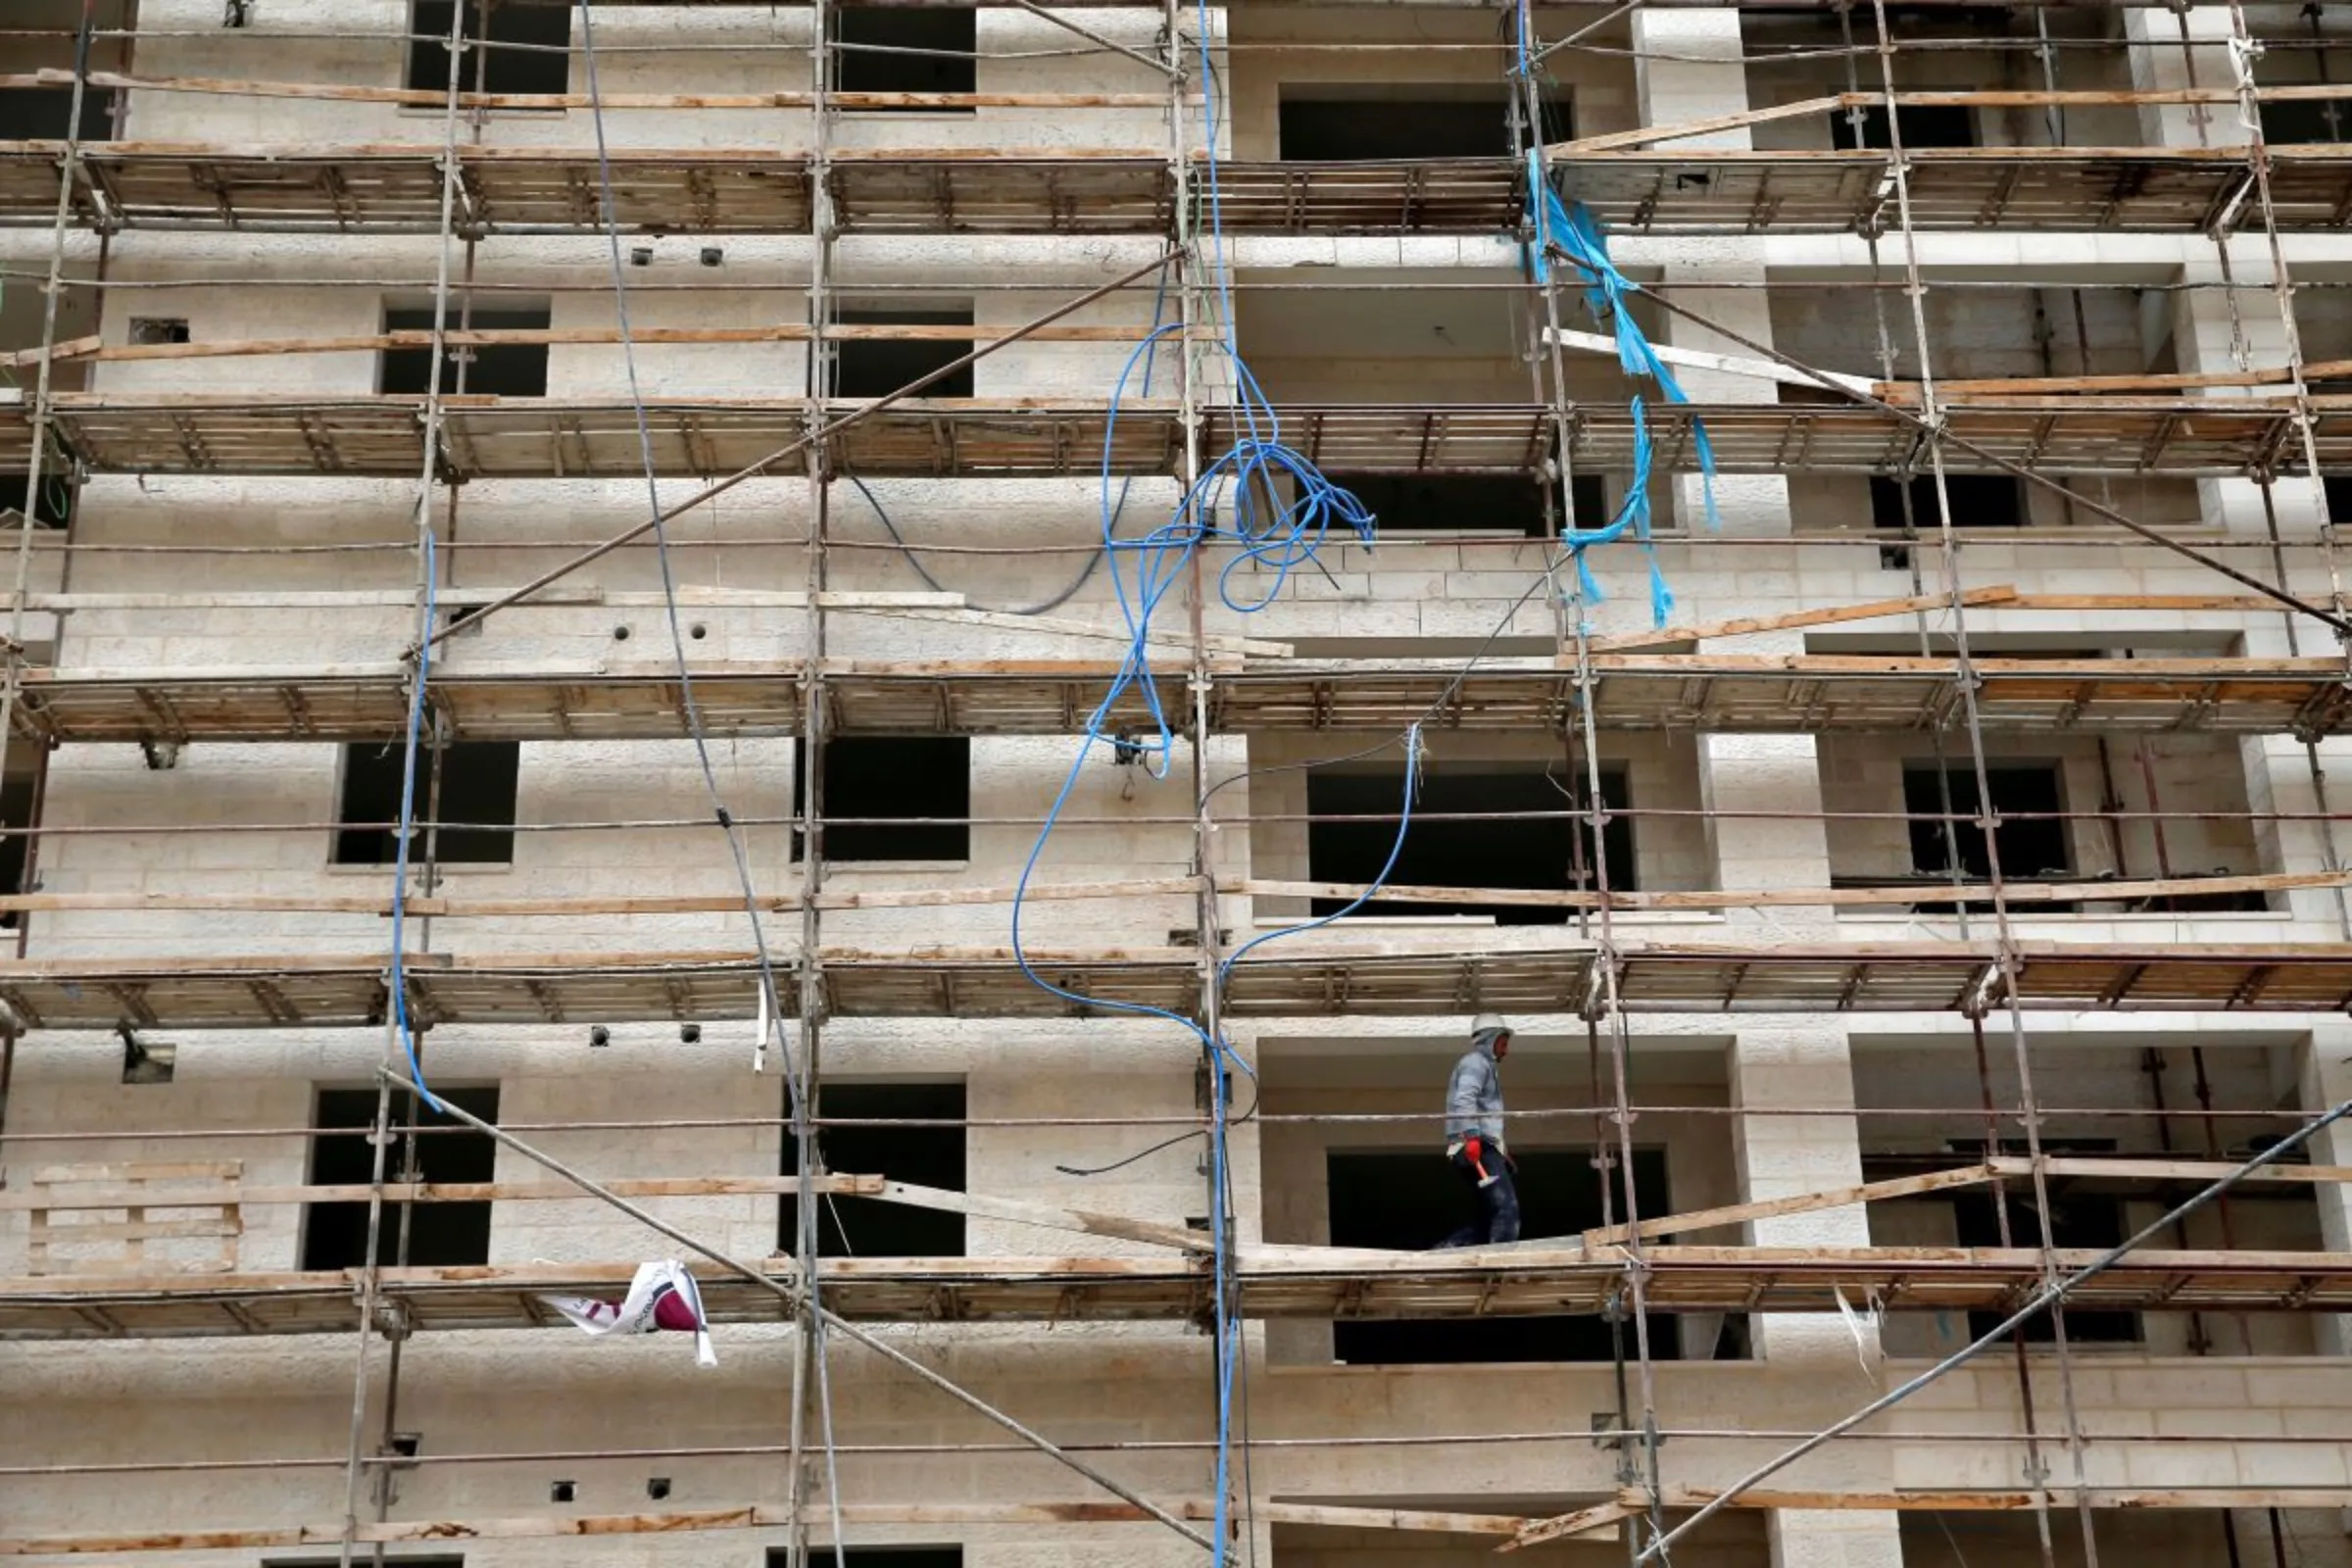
column 1495, row 1211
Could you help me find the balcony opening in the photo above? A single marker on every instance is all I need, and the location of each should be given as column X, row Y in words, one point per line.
column 1470, row 503
column 479, row 781
column 1979, row 501
column 20, row 806
column 2085, row 1220
column 905, row 796
column 876, row 1556
column 496, row 370
column 54, row 510
column 1922, row 126
column 1372, row 123
column 875, row 367
column 334, row 1235
column 46, row 114
column 2030, row 848
column 907, row 49
column 919, row 1155
column 529, row 47
column 1510, row 849
column 1412, row 1201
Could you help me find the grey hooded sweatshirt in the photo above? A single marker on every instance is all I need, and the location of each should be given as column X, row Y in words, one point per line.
column 1473, row 1094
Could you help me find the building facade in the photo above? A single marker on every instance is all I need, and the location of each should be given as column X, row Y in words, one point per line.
column 1938, row 893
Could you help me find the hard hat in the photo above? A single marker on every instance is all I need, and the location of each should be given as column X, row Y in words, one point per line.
column 1489, row 1023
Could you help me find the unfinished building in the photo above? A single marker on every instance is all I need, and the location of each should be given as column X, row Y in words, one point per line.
column 928, row 658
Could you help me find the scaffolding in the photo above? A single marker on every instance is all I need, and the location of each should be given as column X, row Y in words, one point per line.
column 1999, row 963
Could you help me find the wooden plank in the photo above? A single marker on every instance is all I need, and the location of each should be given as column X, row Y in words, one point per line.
column 434, row 98
column 2102, row 892
column 1805, row 108
column 1576, row 1522
column 1991, row 1501
column 749, row 1516
column 592, row 907
column 1047, row 1216
column 1797, row 1204
column 116, row 1171
column 94, row 350
column 452, row 1191
column 1626, row 642
column 2189, row 1171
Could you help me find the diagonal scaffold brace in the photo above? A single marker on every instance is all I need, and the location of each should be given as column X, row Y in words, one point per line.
column 799, row 1303
column 2051, row 1295
column 753, row 470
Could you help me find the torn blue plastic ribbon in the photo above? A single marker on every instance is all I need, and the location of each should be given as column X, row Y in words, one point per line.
column 1570, row 229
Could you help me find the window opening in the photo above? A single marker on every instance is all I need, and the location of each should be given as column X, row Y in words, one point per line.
column 530, row 47
column 56, row 507
column 1422, row 120
column 440, row 1235
column 1922, row 126
column 44, row 113
column 2030, row 847
column 2090, row 1221
column 2306, row 122
column 497, row 369
column 19, row 796
column 875, row 367
column 1471, row 503
column 925, row 777
column 921, row 1156
column 478, row 784
column 907, row 49
column 878, row 1556
column 1519, row 853
column 1979, row 501
column 1404, row 1201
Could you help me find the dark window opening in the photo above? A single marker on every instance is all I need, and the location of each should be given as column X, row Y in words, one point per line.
column 535, row 56
column 921, row 1156
column 1412, row 1201
column 2090, row 1221
column 910, row 781
column 55, row 506
column 875, row 367
column 2336, row 491
column 878, row 52
column 2034, row 847
column 478, row 784
column 45, row 114
column 440, row 1235
column 1470, row 503
column 1337, row 127
column 152, row 329
column 2306, row 122
column 1922, row 126
column 1979, row 501
column 17, row 795
column 496, row 370
column 878, row 1556
column 1521, row 852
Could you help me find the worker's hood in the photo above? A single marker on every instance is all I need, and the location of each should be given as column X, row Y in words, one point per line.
column 1482, row 1042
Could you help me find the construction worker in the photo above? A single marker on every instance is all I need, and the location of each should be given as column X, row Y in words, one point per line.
column 1473, row 1139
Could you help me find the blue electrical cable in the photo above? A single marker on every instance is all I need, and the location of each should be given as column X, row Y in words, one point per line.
column 1570, row 231
column 408, row 819
column 1272, row 537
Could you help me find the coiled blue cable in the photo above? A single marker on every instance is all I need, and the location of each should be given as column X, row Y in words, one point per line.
column 1270, row 536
